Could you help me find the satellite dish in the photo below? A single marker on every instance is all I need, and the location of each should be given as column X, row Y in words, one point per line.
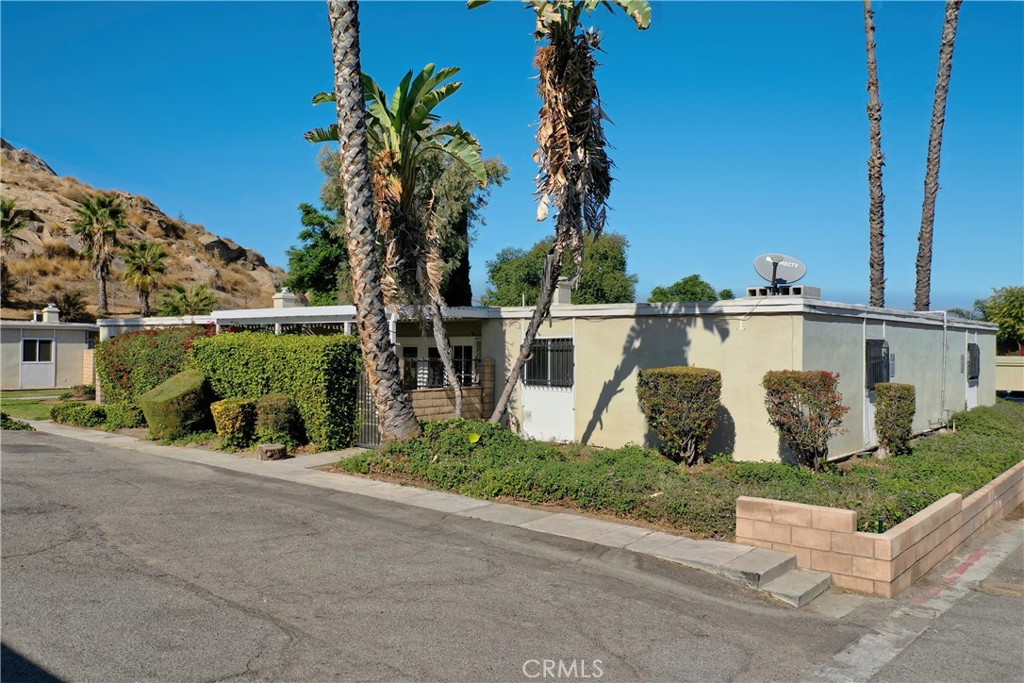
column 779, row 269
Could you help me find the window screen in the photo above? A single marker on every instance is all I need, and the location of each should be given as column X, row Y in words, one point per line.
column 45, row 350
column 551, row 363
column 973, row 361
column 29, row 351
column 877, row 362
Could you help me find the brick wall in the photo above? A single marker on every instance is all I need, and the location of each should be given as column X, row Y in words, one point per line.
column 884, row 564
column 439, row 404
column 88, row 366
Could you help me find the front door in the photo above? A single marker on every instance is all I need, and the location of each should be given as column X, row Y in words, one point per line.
column 38, row 369
column 548, row 396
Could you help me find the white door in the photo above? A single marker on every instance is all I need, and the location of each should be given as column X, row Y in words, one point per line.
column 38, row 369
column 548, row 396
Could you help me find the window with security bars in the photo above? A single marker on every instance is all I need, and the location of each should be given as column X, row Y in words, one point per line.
column 973, row 361
column 877, row 362
column 551, row 363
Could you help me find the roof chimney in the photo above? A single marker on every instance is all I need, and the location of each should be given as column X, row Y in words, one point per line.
column 563, row 293
column 285, row 299
column 51, row 314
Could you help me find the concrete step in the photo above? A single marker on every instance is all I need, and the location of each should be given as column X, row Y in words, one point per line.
column 798, row 587
column 759, row 567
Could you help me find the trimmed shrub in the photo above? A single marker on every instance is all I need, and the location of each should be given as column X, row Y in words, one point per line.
column 235, row 419
column 806, row 409
column 8, row 422
column 131, row 364
column 123, row 415
column 78, row 414
column 278, row 420
column 178, row 406
column 894, row 416
column 319, row 373
column 680, row 404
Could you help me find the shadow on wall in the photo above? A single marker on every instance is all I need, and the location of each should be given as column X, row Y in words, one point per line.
column 655, row 342
column 723, row 439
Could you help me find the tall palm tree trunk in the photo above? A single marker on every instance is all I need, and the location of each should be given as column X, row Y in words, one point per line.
column 144, row 303
column 876, row 214
column 922, row 292
column 102, row 307
column 552, row 271
column 397, row 419
column 444, row 350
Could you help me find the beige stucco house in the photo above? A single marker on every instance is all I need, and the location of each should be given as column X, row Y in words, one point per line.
column 580, row 383
column 45, row 353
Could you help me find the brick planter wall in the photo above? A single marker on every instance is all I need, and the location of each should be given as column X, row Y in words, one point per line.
column 883, row 564
column 439, row 404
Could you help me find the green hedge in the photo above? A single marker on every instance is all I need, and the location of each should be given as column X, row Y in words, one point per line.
column 78, row 414
column 278, row 421
column 235, row 419
column 680, row 404
column 177, row 407
column 8, row 422
column 806, row 410
column 894, row 416
column 319, row 373
column 131, row 364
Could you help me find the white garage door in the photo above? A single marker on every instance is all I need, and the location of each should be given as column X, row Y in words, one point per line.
column 38, row 368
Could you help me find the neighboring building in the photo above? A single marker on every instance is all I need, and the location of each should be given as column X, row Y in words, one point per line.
column 580, row 382
column 45, row 353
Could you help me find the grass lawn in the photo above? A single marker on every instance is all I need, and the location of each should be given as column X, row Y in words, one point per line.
column 21, row 393
column 486, row 461
column 27, row 409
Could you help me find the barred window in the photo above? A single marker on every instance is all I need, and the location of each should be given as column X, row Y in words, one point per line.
column 877, row 362
column 973, row 361
column 551, row 363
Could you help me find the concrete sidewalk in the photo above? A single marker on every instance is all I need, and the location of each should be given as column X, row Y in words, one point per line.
column 772, row 572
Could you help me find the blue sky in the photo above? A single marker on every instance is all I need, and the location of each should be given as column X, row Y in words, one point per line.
column 740, row 128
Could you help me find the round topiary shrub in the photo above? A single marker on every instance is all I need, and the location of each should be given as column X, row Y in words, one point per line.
column 806, row 409
column 680, row 404
column 177, row 407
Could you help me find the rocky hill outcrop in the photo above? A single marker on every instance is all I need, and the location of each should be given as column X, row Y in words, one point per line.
column 44, row 262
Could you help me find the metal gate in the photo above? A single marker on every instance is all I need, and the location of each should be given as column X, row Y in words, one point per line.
column 367, row 423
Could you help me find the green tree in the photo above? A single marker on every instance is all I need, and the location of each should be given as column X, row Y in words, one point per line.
column 876, row 212
column 318, row 266
column 923, row 289
column 12, row 219
column 1006, row 308
column 397, row 419
column 72, row 308
column 402, row 138
column 99, row 221
column 690, row 288
column 515, row 275
column 575, row 171
column 182, row 301
column 144, row 263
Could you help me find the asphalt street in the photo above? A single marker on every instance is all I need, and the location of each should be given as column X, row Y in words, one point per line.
column 123, row 566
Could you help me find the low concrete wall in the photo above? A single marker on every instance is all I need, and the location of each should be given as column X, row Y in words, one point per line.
column 1009, row 373
column 884, row 564
column 439, row 404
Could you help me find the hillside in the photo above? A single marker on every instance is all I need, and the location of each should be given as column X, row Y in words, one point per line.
column 44, row 261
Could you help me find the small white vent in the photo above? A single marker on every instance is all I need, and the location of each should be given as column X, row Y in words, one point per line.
column 786, row 290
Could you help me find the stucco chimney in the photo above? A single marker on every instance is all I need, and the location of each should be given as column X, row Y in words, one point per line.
column 563, row 293
column 51, row 314
column 285, row 299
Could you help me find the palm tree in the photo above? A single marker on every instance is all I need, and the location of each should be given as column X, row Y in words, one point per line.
column 923, row 290
column 181, row 301
column 144, row 264
column 12, row 219
column 99, row 220
column 397, row 419
column 401, row 136
column 575, row 171
column 876, row 214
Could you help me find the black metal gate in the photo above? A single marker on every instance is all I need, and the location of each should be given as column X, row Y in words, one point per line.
column 367, row 424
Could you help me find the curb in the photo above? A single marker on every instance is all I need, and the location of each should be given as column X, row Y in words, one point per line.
column 763, row 570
